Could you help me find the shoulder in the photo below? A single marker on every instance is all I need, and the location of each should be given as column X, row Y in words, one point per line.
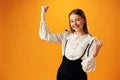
column 91, row 38
column 64, row 35
column 67, row 33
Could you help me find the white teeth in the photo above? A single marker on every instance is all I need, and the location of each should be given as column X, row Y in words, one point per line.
column 76, row 26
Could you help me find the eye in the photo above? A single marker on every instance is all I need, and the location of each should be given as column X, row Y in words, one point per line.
column 78, row 19
column 71, row 21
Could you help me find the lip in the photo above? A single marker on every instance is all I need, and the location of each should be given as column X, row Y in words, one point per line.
column 75, row 27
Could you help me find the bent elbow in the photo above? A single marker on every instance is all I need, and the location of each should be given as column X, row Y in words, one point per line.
column 88, row 65
column 40, row 35
column 88, row 69
column 43, row 36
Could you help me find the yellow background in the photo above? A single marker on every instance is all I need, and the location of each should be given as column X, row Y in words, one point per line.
column 24, row 56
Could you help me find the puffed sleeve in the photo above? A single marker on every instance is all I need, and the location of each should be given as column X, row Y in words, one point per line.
column 89, row 63
column 45, row 34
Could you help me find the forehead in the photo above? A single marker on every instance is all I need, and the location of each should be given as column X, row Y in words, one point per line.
column 75, row 16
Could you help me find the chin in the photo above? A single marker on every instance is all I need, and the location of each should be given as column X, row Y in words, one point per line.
column 76, row 30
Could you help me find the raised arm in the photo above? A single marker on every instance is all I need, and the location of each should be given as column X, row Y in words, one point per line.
column 96, row 47
column 43, row 12
column 44, row 32
column 89, row 63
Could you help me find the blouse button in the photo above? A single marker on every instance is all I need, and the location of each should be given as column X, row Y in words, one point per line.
column 71, row 56
column 73, row 47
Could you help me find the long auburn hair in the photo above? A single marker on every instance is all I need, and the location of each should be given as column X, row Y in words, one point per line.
column 80, row 13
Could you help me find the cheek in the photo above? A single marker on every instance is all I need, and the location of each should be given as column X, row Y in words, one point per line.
column 82, row 23
column 71, row 24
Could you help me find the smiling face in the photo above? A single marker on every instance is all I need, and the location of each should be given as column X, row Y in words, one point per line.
column 77, row 23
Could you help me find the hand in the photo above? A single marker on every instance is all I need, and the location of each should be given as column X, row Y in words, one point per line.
column 98, row 45
column 44, row 10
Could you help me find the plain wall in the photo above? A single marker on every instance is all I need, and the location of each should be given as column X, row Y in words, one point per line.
column 24, row 56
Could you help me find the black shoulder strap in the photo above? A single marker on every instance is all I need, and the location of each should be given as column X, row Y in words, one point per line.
column 89, row 47
column 65, row 46
column 84, row 51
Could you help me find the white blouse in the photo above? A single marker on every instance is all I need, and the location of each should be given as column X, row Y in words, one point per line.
column 74, row 47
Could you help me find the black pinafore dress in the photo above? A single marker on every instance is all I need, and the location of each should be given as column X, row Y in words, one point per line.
column 71, row 69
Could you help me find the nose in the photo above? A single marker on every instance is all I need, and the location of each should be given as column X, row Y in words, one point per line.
column 75, row 23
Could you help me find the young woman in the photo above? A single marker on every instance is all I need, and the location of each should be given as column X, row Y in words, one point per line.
column 79, row 48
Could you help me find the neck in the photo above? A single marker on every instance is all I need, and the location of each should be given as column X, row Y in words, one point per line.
column 79, row 33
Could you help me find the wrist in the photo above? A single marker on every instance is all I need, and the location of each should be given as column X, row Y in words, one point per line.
column 42, row 16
